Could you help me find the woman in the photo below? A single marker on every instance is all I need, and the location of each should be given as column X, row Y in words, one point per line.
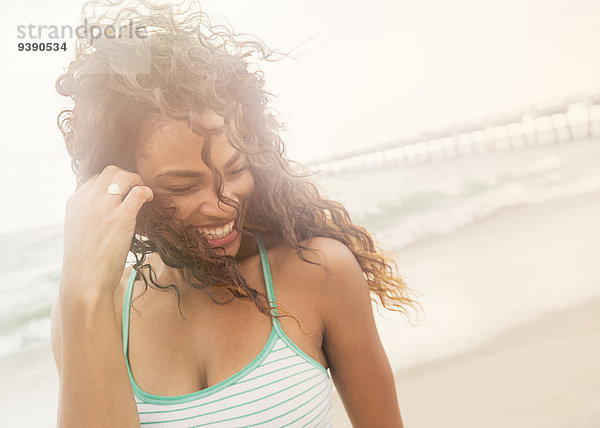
column 248, row 285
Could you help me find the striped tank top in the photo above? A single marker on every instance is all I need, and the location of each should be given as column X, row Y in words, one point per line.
column 281, row 387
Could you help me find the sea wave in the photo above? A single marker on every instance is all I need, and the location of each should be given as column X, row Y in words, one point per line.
column 399, row 205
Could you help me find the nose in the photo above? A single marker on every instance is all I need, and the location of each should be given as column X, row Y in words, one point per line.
column 211, row 210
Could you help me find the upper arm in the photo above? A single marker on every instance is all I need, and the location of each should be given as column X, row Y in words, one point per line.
column 359, row 366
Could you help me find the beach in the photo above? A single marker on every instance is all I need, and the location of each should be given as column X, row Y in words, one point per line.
column 543, row 371
column 29, row 389
column 511, row 339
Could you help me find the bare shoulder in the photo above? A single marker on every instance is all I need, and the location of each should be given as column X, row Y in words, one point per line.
column 327, row 257
column 335, row 255
column 330, row 269
column 337, row 284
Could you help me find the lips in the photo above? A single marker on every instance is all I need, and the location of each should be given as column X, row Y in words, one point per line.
column 221, row 236
column 226, row 240
column 217, row 233
column 216, row 225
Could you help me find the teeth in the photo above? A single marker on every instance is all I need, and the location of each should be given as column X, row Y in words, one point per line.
column 219, row 232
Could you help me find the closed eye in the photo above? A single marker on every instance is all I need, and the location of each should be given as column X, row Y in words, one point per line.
column 238, row 171
column 178, row 189
column 188, row 188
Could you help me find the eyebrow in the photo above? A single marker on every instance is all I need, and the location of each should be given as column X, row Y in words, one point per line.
column 192, row 173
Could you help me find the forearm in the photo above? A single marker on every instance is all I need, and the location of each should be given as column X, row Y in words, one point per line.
column 95, row 389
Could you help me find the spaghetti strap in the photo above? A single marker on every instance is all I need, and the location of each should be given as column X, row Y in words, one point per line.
column 266, row 273
column 126, row 307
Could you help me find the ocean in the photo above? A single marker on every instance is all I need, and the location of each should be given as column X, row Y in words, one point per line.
column 404, row 204
column 400, row 205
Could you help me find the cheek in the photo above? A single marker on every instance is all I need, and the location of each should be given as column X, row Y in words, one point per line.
column 243, row 187
column 179, row 206
column 184, row 207
column 248, row 186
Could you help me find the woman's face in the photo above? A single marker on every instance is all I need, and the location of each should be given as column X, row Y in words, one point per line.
column 171, row 165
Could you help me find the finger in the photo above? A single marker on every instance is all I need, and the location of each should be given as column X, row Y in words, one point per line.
column 108, row 176
column 87, row 184
column 104, row 179
column 137, row 196
column 126, row 181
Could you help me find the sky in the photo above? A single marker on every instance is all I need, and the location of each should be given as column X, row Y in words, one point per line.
column 364, row 74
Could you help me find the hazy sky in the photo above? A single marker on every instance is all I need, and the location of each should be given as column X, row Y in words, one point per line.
column 370, row 72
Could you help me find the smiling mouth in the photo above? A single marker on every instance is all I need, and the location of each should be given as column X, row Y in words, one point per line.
column 220, row 232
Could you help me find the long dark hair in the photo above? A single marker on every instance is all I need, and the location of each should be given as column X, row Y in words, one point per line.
column 184, row 66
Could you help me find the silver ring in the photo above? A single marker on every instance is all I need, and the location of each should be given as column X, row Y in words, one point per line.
column 114, row 189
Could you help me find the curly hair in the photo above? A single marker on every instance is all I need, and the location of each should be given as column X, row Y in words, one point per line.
column 184, row 66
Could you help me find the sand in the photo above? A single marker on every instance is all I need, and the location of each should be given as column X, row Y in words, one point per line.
column 540, row 372
column 29, row 389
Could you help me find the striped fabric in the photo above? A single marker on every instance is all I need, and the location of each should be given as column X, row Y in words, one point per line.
column 281, row 387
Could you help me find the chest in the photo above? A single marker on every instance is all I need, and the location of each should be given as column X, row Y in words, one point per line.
column 169, row 355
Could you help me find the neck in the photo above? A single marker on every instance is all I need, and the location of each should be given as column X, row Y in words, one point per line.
column 166, row 275
column 248, row 247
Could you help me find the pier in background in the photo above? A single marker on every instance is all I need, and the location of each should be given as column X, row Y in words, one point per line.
column 571, row 118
